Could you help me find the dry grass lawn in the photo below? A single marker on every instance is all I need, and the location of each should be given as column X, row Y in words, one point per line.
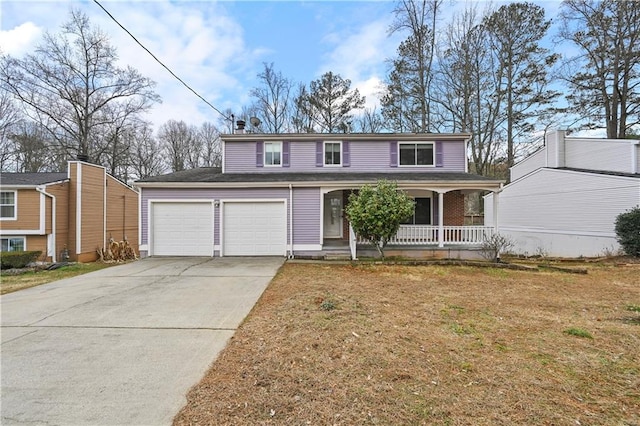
column 434, row 345
column 11, row 283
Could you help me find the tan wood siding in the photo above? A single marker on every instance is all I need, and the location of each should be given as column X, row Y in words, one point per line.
column 71, row 211
column 38, row 243
column 28, row 211
column 122, row 213
column 92, row 210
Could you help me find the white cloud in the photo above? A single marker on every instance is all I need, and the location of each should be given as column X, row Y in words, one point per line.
column 19, row 40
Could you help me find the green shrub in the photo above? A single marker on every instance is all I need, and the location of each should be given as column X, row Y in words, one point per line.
column 17, row 259
column 628, row 231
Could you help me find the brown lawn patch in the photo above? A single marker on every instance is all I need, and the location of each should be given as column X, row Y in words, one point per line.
column 11, row 283
column 376, row 344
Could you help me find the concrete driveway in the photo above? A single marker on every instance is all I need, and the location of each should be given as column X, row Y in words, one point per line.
column 121, row 346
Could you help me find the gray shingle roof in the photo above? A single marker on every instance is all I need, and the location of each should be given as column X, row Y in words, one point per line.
column 7, row 179
column 214, row 174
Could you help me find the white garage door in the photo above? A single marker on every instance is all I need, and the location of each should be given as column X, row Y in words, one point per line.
column 254, row 229
column 182, row 229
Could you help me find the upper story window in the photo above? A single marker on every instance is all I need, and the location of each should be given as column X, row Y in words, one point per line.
column 332, row 153
column 273, row 153
column 416, row 154
column 8, row 205
column 13, row 244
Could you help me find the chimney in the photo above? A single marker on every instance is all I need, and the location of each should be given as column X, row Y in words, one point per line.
column 83, row 157
column 241, row 124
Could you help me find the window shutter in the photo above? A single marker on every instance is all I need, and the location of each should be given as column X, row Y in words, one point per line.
column 436, row 219
column 285, row 154
column 259, row 154
column 319, row 154
column 393, row 154
column 439, row 156
column 346, row 154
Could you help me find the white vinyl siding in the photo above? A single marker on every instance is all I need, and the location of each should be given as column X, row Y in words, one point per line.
column 254, row 228
column 598, row 154
column 182, row 229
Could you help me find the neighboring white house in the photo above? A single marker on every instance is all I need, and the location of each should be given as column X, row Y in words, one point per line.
column 563, row 200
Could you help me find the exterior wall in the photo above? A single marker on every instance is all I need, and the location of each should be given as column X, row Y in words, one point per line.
column 453, row 209
column 37, row 243
column 528, row 165
column 563, row 212
column 73, row 189
column 600, row 154
column 92, row 212
column 186, row 194
column 28, row 211
column 122, row 212
column 61, row 192
column 306, row 216
column 373, row 156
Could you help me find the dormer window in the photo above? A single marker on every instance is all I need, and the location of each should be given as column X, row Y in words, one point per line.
column 273, row 153
column 332, row 154
column 416, row 154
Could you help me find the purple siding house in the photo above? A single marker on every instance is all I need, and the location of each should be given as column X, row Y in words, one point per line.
column 284, row 195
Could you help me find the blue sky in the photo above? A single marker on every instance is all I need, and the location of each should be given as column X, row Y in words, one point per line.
column 218, row 48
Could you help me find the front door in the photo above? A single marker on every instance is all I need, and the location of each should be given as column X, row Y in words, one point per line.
column 333, row 215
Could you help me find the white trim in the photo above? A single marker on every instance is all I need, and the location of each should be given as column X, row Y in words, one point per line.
column 264, row 154
column 51, row 238
column 290, row 240
column 440, row 219
column 152, row 201
column 15, row 205
column 24, row 240
column 21, row 232
column 324, row 153
column 140, row 224
column 223, row 201
column 43, row 211
column 78, row 208
column 634, row 158
column 223, row 148
column 331, row 185
column 307, row 247
column 433, row 156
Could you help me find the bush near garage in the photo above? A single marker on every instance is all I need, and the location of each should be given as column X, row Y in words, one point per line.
column 17, row 259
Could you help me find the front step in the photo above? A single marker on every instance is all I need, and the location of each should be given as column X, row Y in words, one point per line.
column 337, row 256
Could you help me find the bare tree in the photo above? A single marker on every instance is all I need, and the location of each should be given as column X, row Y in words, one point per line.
column 370, row 121
column 303, row 115
column 273, row 100
column 180, row 144
column 210, row 143
column 468, row 88
column 147, row 157
column 72, row 79
column 10, row 117
column 604, row 77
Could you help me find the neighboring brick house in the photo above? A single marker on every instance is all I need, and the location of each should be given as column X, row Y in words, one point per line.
column 72, row 213
column 284, row 194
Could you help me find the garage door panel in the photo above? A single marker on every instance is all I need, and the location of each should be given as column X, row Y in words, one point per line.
column 254, row 229
column 182, row 229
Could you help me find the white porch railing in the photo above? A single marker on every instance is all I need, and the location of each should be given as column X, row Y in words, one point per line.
column 423, row 235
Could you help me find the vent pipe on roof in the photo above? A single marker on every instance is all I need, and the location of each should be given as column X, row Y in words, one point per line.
column 83, row 157
column 241, row 124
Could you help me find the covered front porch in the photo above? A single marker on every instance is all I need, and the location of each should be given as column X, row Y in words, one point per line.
column 436, row 229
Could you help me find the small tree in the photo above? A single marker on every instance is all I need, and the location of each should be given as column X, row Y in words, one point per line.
column 628, row 231
column 495, row 244
column 376, row 212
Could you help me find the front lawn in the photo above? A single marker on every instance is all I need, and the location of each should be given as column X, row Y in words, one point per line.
column 377, row 344
column 10, row 283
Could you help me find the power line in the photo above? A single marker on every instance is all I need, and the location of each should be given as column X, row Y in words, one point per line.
column 160, row 62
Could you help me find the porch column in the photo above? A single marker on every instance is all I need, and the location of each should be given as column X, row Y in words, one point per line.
column 440, row 219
